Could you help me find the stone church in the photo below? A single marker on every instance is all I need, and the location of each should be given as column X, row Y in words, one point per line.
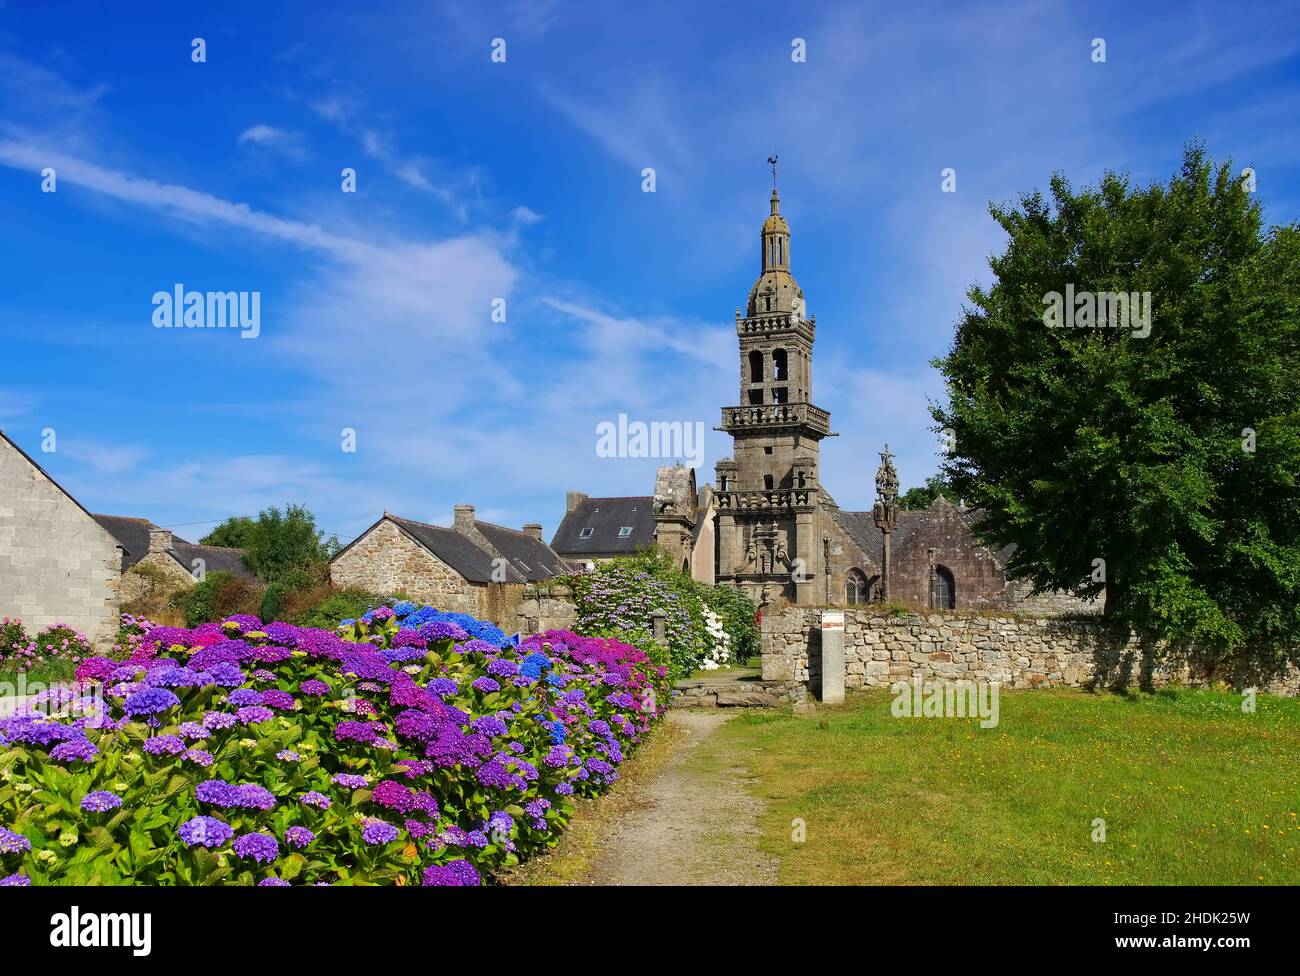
column 768, row 525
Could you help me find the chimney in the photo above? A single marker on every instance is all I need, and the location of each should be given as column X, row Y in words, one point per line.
column 464, row 518
column 534, row 529
column 573, row 499
column 160, row 540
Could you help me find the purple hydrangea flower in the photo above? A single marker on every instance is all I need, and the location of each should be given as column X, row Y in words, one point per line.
column 164, row 744
column 16, row 881
column 199, row 757
column 316, row 799
column 314, row 687
column 193, row 730
column 485, row 685
column 299, row 837
column 12, row 843
column 453, row 874
column 206, row 831
column 262, row 848
column 352, row 781
column 100, row 801
column 219, row 720
column 378, row 832
column 151, row 701
column 273, row 883
column 252, row 714
column 75, row 750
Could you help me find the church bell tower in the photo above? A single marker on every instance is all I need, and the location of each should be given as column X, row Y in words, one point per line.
column 768, row 492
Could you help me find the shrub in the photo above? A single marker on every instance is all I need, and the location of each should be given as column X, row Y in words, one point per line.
column 219, row 595
column 621, row 597
column 326, row 606
column 13, row 638
column 402, row 750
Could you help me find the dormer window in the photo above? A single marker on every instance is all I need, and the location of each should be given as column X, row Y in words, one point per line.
column 585, row 533
column 624, row 531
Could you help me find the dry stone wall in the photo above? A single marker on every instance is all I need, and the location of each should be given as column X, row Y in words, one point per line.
column 1016, row 652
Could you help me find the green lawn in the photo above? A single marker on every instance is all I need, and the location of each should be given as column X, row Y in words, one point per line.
column 1192, row 791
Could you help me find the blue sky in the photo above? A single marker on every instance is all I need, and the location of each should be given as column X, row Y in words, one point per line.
column 522, row 180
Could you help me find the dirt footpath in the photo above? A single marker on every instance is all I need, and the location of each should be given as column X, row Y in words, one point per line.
column 694, row 822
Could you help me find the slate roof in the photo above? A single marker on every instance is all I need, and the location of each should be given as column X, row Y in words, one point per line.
column 534, row 559
column 132, row 535
column 861, row 527
column 605, row 516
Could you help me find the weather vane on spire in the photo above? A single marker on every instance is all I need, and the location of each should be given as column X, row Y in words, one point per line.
column 772, row 161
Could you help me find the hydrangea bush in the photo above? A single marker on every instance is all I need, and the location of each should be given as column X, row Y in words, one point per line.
column 54, row 652
column 409, row 747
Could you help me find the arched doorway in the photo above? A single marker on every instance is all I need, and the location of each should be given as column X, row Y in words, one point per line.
column 943, row 590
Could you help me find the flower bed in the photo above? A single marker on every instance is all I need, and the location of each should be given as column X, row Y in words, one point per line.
column 410, row 747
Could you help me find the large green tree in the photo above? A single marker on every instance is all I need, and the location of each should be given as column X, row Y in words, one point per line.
column 1173, row 455
column 922, row 496
column 280, row 547
column 233, row 532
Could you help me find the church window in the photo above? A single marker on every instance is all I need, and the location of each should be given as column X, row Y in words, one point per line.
column 780, row 251
column 943, row 591
column 585, row 533
column 755, row 397
column 856, row 589
column 780, row 394
column 780, row 365
column 624, row 531
column 767, row 450
column 767, row 482
column 755, row 367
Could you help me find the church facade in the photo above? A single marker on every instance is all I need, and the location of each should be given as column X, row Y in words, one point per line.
column 768, row 525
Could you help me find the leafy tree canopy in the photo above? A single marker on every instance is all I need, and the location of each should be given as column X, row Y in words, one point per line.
column 922, row 496
column 279, row 546
column 1171, row 456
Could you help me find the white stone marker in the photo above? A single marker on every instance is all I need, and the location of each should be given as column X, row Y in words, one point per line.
column 833, row 657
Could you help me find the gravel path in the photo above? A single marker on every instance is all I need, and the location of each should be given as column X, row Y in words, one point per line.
column 694, row 823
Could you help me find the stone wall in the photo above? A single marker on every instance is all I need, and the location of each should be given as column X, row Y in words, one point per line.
column 1015, row 651
column 386, row 560
column 57, row 564
column 134, row 585
column 543, row 606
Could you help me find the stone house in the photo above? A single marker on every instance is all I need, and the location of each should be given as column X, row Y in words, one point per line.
column 57, row 563
column 471, row 567
column 179, row 563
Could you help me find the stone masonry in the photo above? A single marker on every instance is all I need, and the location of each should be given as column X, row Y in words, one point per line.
column 57, row 564
column 386, row 560
column 1017, row 652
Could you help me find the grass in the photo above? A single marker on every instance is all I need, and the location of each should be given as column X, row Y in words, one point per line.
column 1192, row 791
